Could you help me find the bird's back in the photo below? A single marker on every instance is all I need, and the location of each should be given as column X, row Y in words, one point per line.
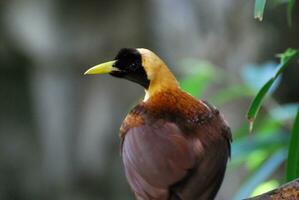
column 175, row 147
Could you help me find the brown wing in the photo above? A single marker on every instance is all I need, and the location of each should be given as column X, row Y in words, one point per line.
column 155, row 157
column 173, row 158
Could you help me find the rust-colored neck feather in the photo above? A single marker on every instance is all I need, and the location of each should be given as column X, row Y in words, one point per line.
column 177, row 102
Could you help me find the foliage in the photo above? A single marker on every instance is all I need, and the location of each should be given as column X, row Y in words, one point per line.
column 285, row 59
column 293, row 157
column 290, row 11
column 259, row 8
column 292, row 170
column 264, row 152
column 272, row 145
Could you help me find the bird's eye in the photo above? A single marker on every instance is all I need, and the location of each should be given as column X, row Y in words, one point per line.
column 133, row 66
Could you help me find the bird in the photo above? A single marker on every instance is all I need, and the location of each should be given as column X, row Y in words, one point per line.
column 173, row 146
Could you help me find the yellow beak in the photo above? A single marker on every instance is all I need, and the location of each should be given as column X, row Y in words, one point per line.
column 103, row 68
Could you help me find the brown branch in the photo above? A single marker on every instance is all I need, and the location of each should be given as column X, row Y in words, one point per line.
column 288, row 191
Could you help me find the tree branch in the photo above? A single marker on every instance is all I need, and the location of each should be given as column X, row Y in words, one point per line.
column 288, row 191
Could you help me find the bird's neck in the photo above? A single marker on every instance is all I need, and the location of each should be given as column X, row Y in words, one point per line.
column 163, row 81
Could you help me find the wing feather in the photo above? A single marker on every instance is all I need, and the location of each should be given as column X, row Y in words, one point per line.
column 156, row 156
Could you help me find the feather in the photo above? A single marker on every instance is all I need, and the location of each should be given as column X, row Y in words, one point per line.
column 175, row 154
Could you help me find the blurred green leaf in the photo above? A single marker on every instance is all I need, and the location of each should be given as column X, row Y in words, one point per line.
column 292, row 171
column 231, row 93
column 256, row 158
column 265, row 187
column 241, row 132
column 268, row 125
column 291, row 4
column 259, row 9
column 199, row 79
column 285, row 59
column 261, row 174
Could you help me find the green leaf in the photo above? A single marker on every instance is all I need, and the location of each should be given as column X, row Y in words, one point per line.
column 259, row 9
column 285, row 59
column 261, row 174
column 255, row 75
column 256, row 103
column 291, row 4
column 293, row 156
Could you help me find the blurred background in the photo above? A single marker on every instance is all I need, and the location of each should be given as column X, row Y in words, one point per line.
column 59, row 129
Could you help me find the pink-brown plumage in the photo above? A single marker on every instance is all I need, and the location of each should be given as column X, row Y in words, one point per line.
column 174, row 147
column 178, row 150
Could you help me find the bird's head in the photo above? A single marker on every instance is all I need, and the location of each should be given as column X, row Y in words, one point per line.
column 141, row 66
